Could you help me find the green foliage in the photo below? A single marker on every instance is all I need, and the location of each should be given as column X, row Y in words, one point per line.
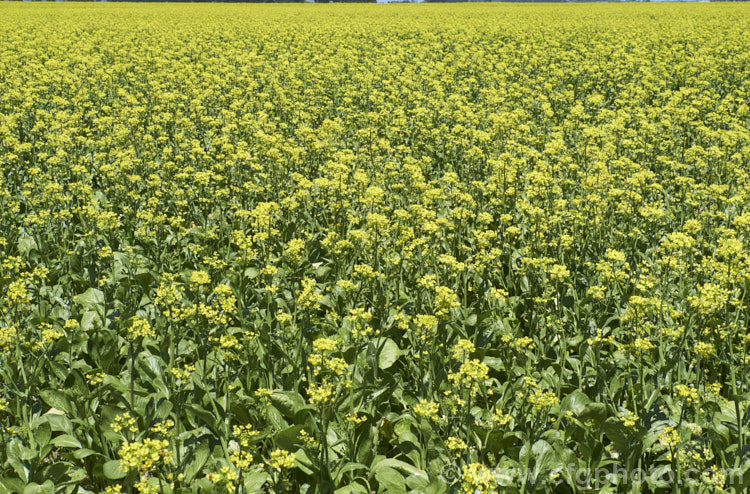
column 419, row 249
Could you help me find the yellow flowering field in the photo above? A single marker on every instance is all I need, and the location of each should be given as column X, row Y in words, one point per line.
column 374, row 249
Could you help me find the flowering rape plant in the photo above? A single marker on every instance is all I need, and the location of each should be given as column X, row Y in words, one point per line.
column 369, row 248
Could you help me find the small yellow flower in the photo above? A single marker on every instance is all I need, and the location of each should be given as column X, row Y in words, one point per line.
column 427, row 409
column 629, row 420
column 140, row 328
column 669, row 437
column 455, row 444
column 462, row 349
column 200, row 278
column 244, row 434
column 241, row 459
column 125, row 422
column 477, row 479
column 144, row 455
column 281, row 459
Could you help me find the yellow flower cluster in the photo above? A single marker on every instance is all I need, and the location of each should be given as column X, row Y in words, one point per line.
column 144, row 455
column 306, row 438
column 199, row 278
column 455, row 445
column 445, row 301
column 125, row 422
column 462, row 349
column 323, row 361
column 425, row 327
column 229, row 346
column 281, row 459
column 227, row 300
column 8, row 336
column 184, row 373
column 49, row 334
column 244, row 434
column 225, row 477
column 427, row 409
column 359, row 320
column 541, row 399
column 140, row 328
column 471, row 375
column 163, row 428
column 308, row 297
column 241, row 459
column 16, row 294
column 669, row 437
column 477, row 479
column 322, row 394
column 629, row 419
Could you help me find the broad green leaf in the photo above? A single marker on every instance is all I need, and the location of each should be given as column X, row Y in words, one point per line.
column 575, row 402
column 596, row 412
column 402, row 466
column 195, row 461
column 113, row 470
column 390, row 480
column 42, row 434
column 57, row 399
column 66, row 441
column 389, row 353
column 288, row 439
column 353, row 488
column 303, row 462
column 254, row 481
column 92, row 299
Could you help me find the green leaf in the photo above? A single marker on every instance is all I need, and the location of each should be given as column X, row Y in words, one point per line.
column 657, row 477
column 352, row 488
column 436, row 486
column 304, row 463
column 195, row 461
column 288, row 439
column 8, row 486
column 593, row 411
column 20, row 468
column 91, row 299
column 57, row 399
column 66, row 441
column 113, row 470
column 575, row 402
column 90, row 320
column 287, row 402
column 26, row 244
column 84, row 453
column 494, row 363
column 59, row 423
column 401, row 466
column 251, row 273
column 349, row 467
column 417, row 483
column 276, row 418
column 545, row 459
column 197, row 412
column 254, row 481
column 42, row 434
column 390, row 480
column 322, row 272
column 34, row 488
column 389, row 353
column 617, row 433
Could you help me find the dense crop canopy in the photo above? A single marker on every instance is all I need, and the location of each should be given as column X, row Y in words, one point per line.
column 461, row 248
